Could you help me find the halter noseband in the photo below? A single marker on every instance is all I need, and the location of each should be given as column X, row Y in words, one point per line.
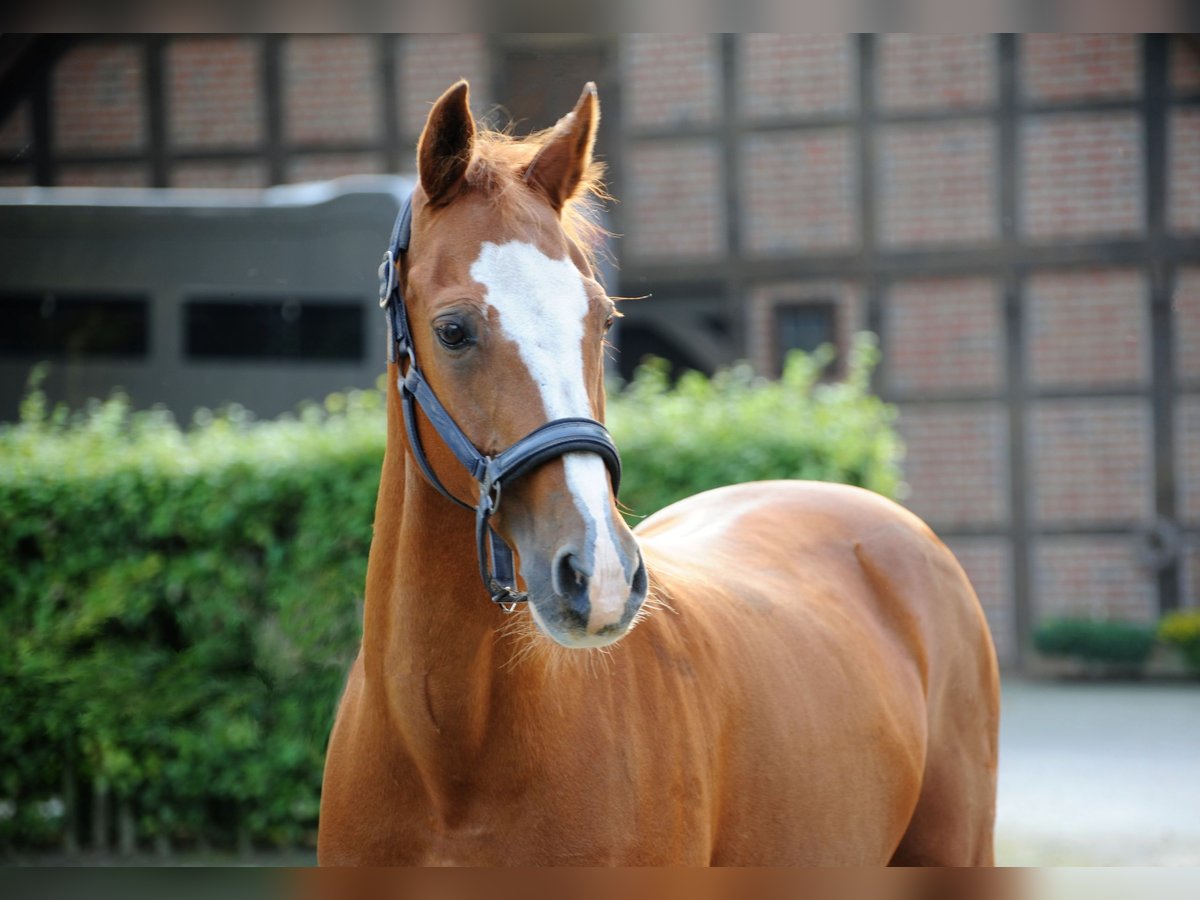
column 555, row 438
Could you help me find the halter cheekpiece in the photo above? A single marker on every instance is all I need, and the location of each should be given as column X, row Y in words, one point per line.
column 491, row 473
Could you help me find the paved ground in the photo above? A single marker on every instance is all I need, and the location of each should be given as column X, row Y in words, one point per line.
column 1099, row 774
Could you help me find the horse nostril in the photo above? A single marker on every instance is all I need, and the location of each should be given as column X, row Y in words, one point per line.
column 571, row 582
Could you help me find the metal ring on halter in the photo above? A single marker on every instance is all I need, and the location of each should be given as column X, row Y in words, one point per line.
column 489, row 491
column 387, row 278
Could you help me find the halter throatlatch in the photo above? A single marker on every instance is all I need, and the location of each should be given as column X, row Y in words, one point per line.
column 491, row 473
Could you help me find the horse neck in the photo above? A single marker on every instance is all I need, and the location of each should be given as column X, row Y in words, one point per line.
column 430, row 635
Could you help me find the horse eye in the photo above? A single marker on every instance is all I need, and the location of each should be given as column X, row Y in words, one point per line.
column 451, row 334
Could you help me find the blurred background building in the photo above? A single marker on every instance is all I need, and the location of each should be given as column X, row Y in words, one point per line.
column 1017, row 218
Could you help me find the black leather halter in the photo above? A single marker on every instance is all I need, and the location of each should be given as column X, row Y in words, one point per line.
column 543, row 444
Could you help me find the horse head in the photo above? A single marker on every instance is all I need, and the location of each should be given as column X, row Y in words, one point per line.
column 508, row 322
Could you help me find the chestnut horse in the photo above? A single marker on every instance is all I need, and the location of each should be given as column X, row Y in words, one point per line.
column 798, row 673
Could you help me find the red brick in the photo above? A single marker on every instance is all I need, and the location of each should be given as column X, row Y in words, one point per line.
column 97, row 105
column 937, row 184
column 213, row 92
column 673, row 200
column 1092, row 577
column 670, row 79
column 104, row 175
column 956, row 464
column 1185, row 308
column 19, row 176
column 1090, row 461
column 936, row 71
column 794, row 75
column 1187, row 451
column 1083, row 176
column 800, row 191
column 220, row 174
column 1191, row 572
column 331, row 89
column 1075, row 67
column 16, row 133
column 1183, row 172
column 988, row 563
column 322, row 166
column 1185, row 64
column 944, row 334
column 761, row 347
column 430, row 63
column 1089, row 328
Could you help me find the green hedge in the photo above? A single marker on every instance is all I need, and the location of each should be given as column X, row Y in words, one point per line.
column 179, row 606
column 1123, row 646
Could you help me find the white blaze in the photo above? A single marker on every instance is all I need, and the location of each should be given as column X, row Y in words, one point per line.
column 542, row 304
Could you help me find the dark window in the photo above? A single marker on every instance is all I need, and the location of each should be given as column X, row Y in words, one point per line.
column 803, row 326
column 273, row 329
column 48, row 324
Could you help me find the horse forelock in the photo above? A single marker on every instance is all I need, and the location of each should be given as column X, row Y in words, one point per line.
column 497, row 171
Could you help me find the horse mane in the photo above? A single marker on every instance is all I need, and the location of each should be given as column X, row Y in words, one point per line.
column 497, row 171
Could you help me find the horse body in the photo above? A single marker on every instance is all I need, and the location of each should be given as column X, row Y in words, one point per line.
column 825, row 705
column 814, row 685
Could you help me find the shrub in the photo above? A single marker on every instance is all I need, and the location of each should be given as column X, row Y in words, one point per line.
column 179, row 610
column 1182, row 630
column 734, row 427
column 1120, row 645
column 179, row 606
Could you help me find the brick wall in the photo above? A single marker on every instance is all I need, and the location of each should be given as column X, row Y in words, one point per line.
column 106, row 175
column 18, row 177
column 1186, row 331
column 322, row 166
column 1088, row 328
column 98, row 99
column 795, row 75
column 1090, row 461
column 16, row 132
column 1187, row 446
column 249, row 173
column 943, row 334
column 213, row 91
column 16, row 146
column 1083, row 176
column 430, row 63
column 936, row 71
column 673, row 200
column 957, row 462
column 1190, row 574
column 988, row 563
column 799, row 191
column 1062, row 67
column 937, row 183
column 1183, row 170
column 1092, row 577
column 1185, row 65
column 670, row 79
column 761, row 346
column 331, row 89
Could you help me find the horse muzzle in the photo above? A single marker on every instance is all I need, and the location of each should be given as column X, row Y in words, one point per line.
column 585, row 597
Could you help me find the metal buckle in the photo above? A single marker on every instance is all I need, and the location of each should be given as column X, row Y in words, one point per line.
column 506, row 598
column 491, row 494
column 387, row 278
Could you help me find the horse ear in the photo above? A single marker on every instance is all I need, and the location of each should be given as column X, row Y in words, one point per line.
column 560, row 165
column 444, row 151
